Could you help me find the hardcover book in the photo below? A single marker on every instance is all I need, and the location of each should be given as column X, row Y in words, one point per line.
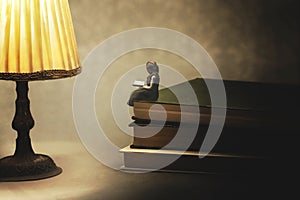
column 249, row 104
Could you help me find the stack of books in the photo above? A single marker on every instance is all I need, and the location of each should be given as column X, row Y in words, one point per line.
column 260, row 125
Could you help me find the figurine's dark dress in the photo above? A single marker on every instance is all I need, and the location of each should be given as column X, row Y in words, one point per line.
column 143, row 94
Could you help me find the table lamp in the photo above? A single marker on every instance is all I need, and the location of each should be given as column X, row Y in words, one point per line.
column 37, row 42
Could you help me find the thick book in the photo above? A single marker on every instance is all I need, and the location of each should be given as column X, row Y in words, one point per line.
column 233, row 140
column 157, row 135
column 248, row 104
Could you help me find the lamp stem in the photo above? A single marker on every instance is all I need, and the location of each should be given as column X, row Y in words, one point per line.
column 23, row 122
column 25, row 165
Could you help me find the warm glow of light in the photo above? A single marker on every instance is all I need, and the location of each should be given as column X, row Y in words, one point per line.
column 36, row 35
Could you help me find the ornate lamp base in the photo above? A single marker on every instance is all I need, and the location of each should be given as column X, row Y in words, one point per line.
column 37, row 167
column 25, row 165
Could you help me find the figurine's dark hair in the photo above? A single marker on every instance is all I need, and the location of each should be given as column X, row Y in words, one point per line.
column 152, row 67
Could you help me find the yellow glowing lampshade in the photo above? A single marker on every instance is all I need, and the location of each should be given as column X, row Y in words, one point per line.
column 37, row 40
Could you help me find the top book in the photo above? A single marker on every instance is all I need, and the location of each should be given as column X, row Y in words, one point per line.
column 248, row 103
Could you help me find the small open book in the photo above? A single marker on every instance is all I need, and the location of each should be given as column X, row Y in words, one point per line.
column 138, row 83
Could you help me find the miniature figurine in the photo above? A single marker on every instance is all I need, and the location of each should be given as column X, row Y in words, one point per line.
column 149, row 91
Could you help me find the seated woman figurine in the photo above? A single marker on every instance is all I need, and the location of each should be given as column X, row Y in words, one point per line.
column 149, row 92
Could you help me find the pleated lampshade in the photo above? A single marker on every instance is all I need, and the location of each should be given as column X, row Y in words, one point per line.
column 37, row 40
